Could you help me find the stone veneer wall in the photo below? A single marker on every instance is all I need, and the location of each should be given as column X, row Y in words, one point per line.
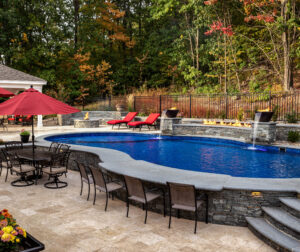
column 282, row 130
column 265, row 132
column 229, row 207
column 102, row 116
column 212, row 130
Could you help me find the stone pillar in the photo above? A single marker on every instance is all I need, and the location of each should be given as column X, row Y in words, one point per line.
column 166, row 125
column 264, row 132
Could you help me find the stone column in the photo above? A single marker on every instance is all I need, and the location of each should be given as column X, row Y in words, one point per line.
column 166, row 125
column 263, row 132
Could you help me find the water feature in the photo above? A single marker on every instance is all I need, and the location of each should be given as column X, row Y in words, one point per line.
column 254, row 136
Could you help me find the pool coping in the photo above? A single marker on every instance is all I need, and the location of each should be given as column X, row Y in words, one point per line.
column 121, row 163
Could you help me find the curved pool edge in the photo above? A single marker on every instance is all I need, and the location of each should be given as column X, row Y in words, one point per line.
column 121, row 163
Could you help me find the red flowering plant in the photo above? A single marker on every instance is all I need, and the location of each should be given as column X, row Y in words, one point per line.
column 10, row 233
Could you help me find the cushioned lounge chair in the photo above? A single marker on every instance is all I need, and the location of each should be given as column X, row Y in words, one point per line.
column 183, row 197
column 129, row 117
column 136, row 192
column 151, row 119
column 102, row 185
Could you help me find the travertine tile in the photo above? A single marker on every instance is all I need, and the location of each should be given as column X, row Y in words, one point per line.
column 65, row 221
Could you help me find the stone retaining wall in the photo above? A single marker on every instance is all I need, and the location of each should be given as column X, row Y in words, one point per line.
column 212, row 130
column 282, row 130
column 229, row 207
column 102, row 116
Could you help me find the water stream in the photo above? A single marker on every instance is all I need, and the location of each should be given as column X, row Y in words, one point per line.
column 254, row 136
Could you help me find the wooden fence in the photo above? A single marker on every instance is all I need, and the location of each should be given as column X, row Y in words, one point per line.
column 220, row 105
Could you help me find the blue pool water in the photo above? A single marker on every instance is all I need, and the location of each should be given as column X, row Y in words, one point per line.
column 196, row 154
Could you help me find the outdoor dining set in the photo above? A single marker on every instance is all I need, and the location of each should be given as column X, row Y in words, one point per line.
column 30, row 164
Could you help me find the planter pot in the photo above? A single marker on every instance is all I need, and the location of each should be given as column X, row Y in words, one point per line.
column 170, row 113
column 25, row 138
column 263, row 116
column 31, row 244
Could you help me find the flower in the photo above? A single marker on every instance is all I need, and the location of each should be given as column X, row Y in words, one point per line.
column 3, row 223
column 6, row 237
column 10, row 232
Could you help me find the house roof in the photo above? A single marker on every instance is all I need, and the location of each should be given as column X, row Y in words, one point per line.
column 8, row 74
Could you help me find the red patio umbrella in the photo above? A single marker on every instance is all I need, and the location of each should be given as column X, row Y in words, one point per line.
column 33, row 102
column 5, row 93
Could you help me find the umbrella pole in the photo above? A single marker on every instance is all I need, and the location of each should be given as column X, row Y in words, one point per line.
column 32, row 129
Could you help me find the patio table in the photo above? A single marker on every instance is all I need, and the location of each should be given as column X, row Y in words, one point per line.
column 38, row 158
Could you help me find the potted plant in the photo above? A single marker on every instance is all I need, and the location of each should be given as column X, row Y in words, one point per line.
column 14, row 238
column 24, row 136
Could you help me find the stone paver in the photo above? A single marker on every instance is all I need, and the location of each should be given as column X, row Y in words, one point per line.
column 64, row 221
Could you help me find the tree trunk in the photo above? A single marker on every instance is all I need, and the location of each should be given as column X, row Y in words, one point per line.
column 76, row 18
column 287, row 75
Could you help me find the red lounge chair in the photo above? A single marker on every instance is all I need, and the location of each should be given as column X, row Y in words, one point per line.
column 149, row 121
column 26, row 120
column 129, row 117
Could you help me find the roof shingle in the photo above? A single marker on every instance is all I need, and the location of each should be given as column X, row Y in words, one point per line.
column 10, row 74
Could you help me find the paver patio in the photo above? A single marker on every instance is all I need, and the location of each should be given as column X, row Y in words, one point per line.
column 64, row 221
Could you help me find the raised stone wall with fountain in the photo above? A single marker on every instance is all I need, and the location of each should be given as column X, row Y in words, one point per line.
column 263, row 132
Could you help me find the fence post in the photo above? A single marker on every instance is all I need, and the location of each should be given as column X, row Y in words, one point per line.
column 190, row 106
column 160, row 104
column 134, row 103
column 109, row 102
column 226, row 109
column 270, row 99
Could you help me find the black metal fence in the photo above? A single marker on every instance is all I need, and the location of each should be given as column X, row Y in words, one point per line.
column 222, row 105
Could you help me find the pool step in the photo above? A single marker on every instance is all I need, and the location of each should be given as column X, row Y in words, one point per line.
column 282, row 220
column 272, row 236
column 292, row 205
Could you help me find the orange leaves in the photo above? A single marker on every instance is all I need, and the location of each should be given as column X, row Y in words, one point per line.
column 260, row 10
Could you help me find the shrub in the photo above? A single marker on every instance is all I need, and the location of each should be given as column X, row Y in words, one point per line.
column 293, row 136
column 24, row 133
column 240, row 115
column 275, row 113
column 291, row 118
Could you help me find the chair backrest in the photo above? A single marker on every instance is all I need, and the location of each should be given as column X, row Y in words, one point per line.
column 64, row 148
column 13, row 145
column 182, row 194
column 54, row 147
column 129, row 117
column 134, row 187
column 97, row 176
column 57, row 159
column 82, row 170
column 4, row 157
column 152, row 118
column 13, row 159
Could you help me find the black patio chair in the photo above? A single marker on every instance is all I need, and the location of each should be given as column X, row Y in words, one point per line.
column 136, row 192
column 21, row 170
column 63, row 148
column 183, row 197
column 5, row 163
column 54, row 147
column 55, row 170
column 100, row 183
column 88, row 179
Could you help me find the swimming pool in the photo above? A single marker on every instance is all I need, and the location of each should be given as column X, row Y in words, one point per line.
column 196, row 154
